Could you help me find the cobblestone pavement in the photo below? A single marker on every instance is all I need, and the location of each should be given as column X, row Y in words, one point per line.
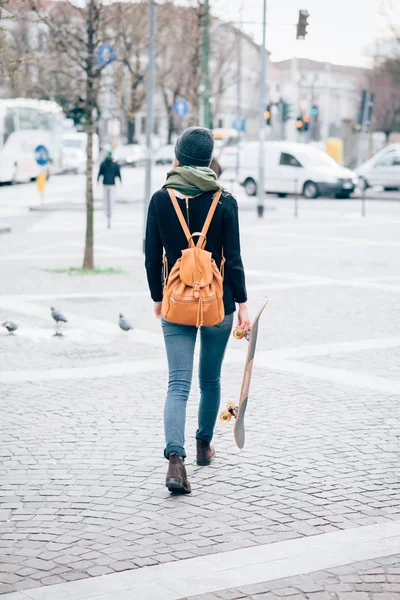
column 368, row 580
column 81, row 434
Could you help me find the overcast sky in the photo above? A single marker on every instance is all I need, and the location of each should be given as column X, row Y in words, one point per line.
column 340, row 31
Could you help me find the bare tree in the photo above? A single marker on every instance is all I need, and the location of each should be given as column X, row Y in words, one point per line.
column 224, row 73
column 130, row 77
column 387, row 97
column 16, row 52
column 77, row 32
column 179, row 60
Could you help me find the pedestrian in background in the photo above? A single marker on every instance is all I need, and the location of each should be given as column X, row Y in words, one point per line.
column 216, row 167
column 194, row 185
column 110, row 171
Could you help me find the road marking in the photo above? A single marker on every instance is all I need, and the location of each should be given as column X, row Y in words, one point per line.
column 71, row 296
column 237, row 568
column 90, row 372
column 87, row 323
column 313, row 280
column 337, row 376
column 69, row 256
column 343, row 240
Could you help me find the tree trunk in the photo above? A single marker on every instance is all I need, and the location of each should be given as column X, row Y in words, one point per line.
column 171, row 126
column 131, row 131
column 88, row 261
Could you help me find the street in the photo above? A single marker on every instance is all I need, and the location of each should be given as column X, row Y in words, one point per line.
column 308, row 509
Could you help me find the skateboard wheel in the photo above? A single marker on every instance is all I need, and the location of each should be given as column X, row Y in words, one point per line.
column 230, row 405
column 225, row 416
column 238, row 334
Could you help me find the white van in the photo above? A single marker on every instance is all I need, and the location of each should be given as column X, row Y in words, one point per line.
column 74, row 144
column 291, row 167
column 382, row 169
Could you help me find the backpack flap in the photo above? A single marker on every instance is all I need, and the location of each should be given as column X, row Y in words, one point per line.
column 196, row 267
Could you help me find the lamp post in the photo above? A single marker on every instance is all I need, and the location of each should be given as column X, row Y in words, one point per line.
column 150, row 109
column 205, row 111
column 262, row 127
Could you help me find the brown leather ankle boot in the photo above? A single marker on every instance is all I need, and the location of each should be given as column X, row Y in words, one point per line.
column 205, row 453
column 177, row 481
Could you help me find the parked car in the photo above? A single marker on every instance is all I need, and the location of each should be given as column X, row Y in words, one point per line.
column 74, row 154
column 165, row 155
column 291, row 167
column 382, row 169
column 131, row 155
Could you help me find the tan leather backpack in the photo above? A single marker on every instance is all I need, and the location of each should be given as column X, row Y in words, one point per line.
column 193, row 291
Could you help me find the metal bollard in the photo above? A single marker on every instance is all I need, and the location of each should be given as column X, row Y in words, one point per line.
column 363, row 200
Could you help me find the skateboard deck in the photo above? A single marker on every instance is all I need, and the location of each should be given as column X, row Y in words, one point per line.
column 239, row 410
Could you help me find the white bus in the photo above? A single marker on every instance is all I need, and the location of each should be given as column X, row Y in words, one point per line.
column 24, row 125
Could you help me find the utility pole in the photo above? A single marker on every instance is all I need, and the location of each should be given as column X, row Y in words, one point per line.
column 150, row 109
column 263, row 103
column 366, row 108
column 281, row 121
column 239, row 87
column 205, row 121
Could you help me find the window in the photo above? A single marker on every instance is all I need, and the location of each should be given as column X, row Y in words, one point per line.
column 387, row 160
column 9, row 123
column 288, row 160
column 72, row 143
column 28, row 118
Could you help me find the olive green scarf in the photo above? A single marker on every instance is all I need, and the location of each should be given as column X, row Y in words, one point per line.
column 192, row 181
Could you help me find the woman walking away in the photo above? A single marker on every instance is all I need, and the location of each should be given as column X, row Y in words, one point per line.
column 193, row 222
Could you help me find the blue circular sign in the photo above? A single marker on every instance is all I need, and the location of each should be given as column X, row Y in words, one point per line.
column 42, row 156
column 239, row 124
column 181, row 108
column 105, row 55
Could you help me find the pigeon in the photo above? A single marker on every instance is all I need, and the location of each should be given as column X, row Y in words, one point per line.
column 58, row 317
column 124, row 323
column 10, row 326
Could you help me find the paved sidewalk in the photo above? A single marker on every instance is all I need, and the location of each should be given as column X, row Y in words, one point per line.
column 369, row 580
column 81, row 437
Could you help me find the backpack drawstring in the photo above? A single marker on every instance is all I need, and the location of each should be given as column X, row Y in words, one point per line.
column 200, row 312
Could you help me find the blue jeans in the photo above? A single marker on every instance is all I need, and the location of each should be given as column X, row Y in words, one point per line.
column 180, row 341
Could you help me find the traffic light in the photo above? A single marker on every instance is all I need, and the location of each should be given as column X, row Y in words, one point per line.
column 306, row 123
column 299, row 123
column 302, row 25
column 286, row 111
column 77, row 113
column 366, row 108
column 267, row 115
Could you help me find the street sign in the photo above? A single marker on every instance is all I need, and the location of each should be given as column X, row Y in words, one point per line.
column 114, row 127
column 181, row 108
column 42, row 155
column 105, row 55
column 239, row 124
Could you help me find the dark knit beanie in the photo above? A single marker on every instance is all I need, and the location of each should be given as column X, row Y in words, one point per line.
column 195, row 147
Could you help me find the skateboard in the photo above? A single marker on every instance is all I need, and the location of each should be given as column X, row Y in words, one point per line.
column 238, row 410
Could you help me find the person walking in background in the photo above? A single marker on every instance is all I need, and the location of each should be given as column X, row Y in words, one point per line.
column 216, row 167
column 193, row 184
column 110, row 171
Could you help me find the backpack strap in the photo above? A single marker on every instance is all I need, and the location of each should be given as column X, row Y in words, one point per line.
column 203, row 235
column 181, row 217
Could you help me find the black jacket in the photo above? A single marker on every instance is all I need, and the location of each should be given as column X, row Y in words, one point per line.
column 110, row 171
column 165, row 232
